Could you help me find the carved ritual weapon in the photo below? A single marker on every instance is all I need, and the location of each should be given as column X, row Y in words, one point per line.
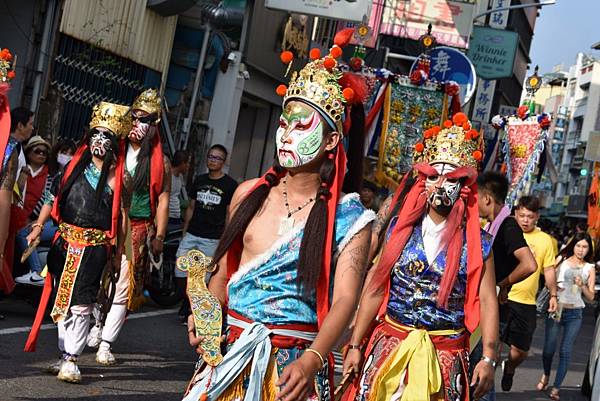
column 206, row 309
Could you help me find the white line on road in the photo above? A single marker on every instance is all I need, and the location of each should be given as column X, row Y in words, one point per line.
column 49, row 326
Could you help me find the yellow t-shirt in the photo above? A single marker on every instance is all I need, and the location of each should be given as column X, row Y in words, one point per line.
column 542, row 248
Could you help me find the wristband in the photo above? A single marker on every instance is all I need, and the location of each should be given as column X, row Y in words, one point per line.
column 160, row 238
column 354, row 346
column 553, row 296
column 317, row 353
column 489, row 361
column 38, row 225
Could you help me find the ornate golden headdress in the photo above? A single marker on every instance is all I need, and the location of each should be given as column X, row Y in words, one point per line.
column 321, row 84
column 114, row 117
column 454, row 143
column 148, row 101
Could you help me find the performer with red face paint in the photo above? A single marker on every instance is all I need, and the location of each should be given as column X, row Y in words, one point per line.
column 85, row 202
column 291, row 260
column 433, row 279
column 146, row 188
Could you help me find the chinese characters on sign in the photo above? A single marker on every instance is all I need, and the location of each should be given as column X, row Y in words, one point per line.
column 349, row 10
column 451, row 20
column 499, row 19
column 483, row 101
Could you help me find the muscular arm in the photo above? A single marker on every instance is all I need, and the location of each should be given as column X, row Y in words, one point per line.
column 526, row 267
column 378, row 225
column 348, row 280
column 189, row 212
column 488, row 306
column 483, row 374
column 7, row 184
column 370, row 303
column 162, row 209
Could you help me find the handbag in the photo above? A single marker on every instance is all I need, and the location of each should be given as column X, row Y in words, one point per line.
column 542, row 302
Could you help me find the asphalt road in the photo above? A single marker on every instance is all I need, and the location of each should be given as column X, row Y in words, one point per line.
column 155, row 362
column 529, row 373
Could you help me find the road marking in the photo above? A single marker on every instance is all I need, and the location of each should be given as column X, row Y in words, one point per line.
column 49, row 326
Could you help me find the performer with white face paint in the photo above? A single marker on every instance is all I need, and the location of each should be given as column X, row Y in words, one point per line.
column 146, row 187
column 85, row 203
column 288, row 299
column 429, row 287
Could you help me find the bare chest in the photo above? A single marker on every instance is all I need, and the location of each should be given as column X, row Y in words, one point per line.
column 269, row 225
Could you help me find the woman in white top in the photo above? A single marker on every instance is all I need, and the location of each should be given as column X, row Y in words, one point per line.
column 576, row 276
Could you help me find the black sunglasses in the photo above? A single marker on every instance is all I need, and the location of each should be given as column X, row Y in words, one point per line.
column 40, row 152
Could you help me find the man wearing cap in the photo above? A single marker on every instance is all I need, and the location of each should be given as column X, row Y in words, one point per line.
column 86, row 203
column 38, row 181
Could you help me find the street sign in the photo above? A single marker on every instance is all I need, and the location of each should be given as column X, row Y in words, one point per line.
column 448, row 64
column 349, row 10
column 492, row 51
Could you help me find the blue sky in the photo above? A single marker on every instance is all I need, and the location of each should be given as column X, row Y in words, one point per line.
column 564, row 29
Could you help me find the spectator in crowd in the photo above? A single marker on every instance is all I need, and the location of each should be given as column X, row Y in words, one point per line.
column 519, row 313
column 61, row 155
column 576, row 276
column 206, row 213
column 368, row 195
column 513, row 260
column 21, row 127
column 180, row 165
column 38, row 182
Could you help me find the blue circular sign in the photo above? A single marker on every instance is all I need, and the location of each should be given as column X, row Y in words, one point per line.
column 449, row 64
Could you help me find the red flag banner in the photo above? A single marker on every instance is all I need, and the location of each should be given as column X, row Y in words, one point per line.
column 524, row 145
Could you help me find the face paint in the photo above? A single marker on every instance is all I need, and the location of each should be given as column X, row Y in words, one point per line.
column 138, row 130
column 299, row 137
column 100, row 144
column 442, row 192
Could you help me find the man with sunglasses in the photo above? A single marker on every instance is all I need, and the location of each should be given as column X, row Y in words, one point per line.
column 204, row 218
column 38, row 182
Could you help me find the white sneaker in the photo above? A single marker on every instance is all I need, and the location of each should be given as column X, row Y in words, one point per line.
column 105, row 357
column 69, row 372
column 31, row 278
column 94, row 337
column 54, row 368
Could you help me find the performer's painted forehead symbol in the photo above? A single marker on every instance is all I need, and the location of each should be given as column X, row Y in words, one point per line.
column 299, row 136
column 441, row 190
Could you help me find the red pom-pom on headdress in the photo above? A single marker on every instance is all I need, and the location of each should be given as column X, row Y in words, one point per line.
column 281, row 90
column 329, row 63
column 335, row 51
column 357, row 83
column 343, row 37
column 348, row 94
column 315, row 53
column 286, row 57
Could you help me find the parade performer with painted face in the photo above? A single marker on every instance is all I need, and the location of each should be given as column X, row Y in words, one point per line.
column 146, row 187
column 430, row 284
column 85, row 202
column 291, row 260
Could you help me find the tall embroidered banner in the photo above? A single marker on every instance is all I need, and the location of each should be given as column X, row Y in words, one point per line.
column 524, row 145
column 408, row 111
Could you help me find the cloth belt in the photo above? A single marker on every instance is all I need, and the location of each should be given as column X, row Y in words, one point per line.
column 252, row 345
column 417, row 354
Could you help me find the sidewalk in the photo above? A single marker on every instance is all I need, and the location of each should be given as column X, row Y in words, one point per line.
column 528, row 374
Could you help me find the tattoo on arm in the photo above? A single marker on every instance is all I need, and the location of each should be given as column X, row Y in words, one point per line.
column 166, row 175
column 9, row 176
column 357, row 259
column 382, row 216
